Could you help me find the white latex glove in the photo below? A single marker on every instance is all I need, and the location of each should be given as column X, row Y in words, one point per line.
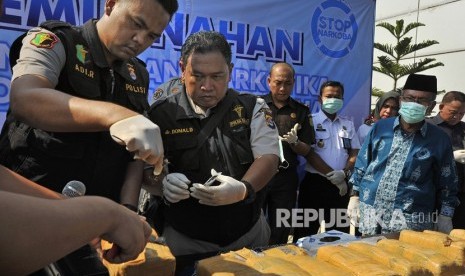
column 353, row 210
column 229, row 191
column 336, row 176
column 342, row 186
column 142, row 137
column 175, row 187
column 459, row 156
column 291, row 137
column 444, row 224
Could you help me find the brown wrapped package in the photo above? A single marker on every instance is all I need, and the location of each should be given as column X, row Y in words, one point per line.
column 394, row 261
column 451, row 248
column 432, row 260
column 156, row 259
column 351, row 261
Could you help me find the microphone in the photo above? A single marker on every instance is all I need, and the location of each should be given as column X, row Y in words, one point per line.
column 74, row 188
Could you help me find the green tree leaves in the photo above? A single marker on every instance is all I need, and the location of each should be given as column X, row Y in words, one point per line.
column 390, row 63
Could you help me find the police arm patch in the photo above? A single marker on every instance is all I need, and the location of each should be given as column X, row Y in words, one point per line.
column 44, row 40
column 268, row 117
column 157, row 94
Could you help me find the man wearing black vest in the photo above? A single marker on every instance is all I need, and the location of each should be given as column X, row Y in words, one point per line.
column 209, row 129
column 77, row 94
column 289, row 115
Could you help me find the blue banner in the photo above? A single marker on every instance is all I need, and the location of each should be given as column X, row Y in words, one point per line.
column 322, row 39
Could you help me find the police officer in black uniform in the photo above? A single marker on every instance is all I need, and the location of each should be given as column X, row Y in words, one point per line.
column 76, row 89
column 287, row 112
column 208, row 126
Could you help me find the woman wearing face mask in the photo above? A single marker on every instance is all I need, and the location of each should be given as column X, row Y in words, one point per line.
column 387, row 106
column 405, row 172
column 324, row 187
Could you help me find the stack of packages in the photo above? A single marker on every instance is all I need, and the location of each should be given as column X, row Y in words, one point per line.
column 156, row 259
column 282, row 260
column 414, row 253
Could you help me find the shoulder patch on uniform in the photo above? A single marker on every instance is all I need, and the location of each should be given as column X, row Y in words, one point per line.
column 268, row 117
column 175, row 90
column 132, row 71
column 81, row 53
column 157, row 94
column 44, row 40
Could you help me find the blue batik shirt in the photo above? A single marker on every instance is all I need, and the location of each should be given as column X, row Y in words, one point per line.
column 403, row 178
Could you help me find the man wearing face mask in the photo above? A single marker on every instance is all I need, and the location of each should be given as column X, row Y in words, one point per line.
column 405, row 174
column 324, row 187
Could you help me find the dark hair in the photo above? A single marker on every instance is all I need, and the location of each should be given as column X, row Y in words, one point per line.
column 170, row 6
column 453, row 96
column 332, row 84
column 284, row 64
column 206, row 42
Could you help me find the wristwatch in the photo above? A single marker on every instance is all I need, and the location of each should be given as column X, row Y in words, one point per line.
column 250, row 192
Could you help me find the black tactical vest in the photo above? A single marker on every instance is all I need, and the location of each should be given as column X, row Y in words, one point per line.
column 227, row 150
column 53, row 158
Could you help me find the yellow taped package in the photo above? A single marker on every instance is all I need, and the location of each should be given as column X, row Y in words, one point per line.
column 458, row 234
column 156, row 259
column 451, row 248
column 283, row 260
column 394, row 261
column 351, row 261
column 317, row 267
column 246, row 262
column 432, row 260
column 299, row 256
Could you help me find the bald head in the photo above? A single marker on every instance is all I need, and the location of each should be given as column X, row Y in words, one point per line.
column 282, row 66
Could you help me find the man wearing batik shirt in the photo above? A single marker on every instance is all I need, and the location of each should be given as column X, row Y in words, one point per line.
column 405, row 175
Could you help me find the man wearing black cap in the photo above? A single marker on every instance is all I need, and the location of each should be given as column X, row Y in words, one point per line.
column 405, row 175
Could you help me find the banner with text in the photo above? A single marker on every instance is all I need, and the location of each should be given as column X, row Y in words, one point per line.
column 322, row 39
